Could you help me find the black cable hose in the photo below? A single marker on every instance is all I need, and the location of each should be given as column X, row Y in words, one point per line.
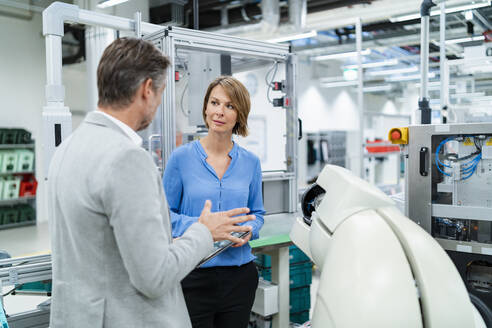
column 483, row 309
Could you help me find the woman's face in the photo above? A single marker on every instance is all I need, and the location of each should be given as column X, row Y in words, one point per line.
column 221, row 116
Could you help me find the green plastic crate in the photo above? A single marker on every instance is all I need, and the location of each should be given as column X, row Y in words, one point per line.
column 25, row 160
column 26, row 213
column 300, row 317
column 9, row 161
column 300, row 299
column 11, row 188
column 11, row 215
column 9, row 136
column 295, row 256
column 300, row 275
column 23, row 137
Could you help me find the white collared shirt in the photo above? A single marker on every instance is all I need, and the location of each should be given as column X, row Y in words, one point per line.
column 128, row 130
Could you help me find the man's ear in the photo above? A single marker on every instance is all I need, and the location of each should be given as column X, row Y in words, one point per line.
column 147, row 87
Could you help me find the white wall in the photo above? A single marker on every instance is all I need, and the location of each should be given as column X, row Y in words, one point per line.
column 23, row 78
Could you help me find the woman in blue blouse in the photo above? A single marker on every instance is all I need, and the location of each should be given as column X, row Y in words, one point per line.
column 221, row 292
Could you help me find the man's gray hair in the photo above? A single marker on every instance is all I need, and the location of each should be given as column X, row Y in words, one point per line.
column 124, row 66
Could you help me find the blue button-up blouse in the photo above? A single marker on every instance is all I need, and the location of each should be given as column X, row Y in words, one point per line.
column 189, row 181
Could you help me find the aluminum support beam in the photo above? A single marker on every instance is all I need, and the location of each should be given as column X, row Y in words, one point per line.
column 360, row 94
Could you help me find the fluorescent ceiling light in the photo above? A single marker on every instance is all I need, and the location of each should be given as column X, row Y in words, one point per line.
column 109, row 3
column 338, row 84
column 438, row 12
column 411, row 69
column 409, row 77
column 389, row 62
column 310, row 34
column 341, row 55
column 377, row 88
column 467, row 39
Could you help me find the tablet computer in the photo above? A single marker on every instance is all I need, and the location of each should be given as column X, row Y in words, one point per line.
column 221, row 246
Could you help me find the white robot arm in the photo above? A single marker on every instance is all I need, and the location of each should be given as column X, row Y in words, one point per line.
column 378, row 268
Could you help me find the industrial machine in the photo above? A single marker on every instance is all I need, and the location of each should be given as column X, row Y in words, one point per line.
column 18, row 273
column 378, row 268
column 449, row 194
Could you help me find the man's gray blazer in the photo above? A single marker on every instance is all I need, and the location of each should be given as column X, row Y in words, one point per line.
column 114, row 261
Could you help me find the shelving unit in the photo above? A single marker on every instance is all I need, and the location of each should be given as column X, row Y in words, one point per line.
column 17, row 179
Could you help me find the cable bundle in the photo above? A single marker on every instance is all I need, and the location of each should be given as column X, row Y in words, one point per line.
column 468, row 168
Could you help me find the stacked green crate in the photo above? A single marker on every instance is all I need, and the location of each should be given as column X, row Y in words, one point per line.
column 9, row 161
column 25, row 160
column 26, row 213
column 300, row 275
column 16, row 161
column 10, row 215
column 11, row 186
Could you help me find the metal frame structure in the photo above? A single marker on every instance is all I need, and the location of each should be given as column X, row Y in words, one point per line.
column 57, row 117
column 18, row 271
column 172, row 38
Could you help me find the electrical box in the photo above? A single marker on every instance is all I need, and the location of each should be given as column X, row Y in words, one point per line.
column 203, row 68
column 449, row 194
column 266, row 299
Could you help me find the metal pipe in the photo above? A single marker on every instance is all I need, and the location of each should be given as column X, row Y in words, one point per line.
column 425, row 111
column 224, row 16
column 442, row 63
column 53, row 60
column 196, row 13
column 424, row 57
column 297, row 14
column 360, row 94
column 270, row 12
column 138, row 24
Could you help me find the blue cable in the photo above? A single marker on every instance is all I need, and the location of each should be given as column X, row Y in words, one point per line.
column 473, row 168
column 437, row 157
column 469, row 167
column 439, row 149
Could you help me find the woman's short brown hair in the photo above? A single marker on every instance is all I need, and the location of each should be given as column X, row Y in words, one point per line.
column 239, row 96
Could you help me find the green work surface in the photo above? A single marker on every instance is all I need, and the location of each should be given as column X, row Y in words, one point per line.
column 275, row 230
column 269, row 241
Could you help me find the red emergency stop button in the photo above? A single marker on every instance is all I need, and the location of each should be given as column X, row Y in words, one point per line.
column 398, row 136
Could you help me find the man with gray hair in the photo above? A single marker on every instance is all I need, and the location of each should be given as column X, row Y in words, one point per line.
column 114, row 261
